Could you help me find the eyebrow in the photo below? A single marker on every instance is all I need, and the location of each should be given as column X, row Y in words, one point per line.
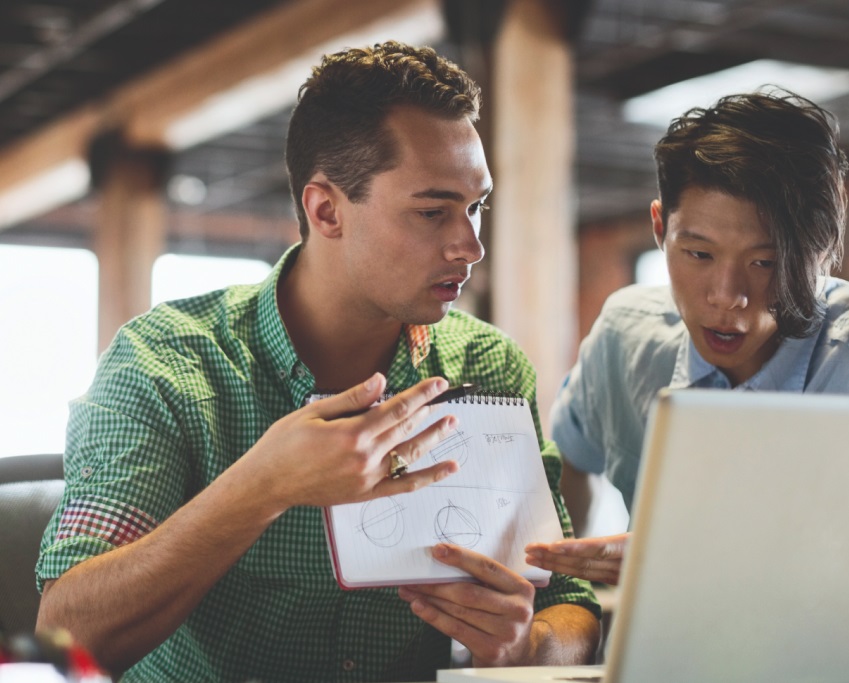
column 689, row 234
column 434, row 193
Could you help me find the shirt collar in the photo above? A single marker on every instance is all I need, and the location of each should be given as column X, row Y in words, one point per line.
column 414, row 345
column 690, row 368
column 418, row 342
column 785, row 371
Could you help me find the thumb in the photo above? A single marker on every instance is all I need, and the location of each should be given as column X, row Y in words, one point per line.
column 352, row 401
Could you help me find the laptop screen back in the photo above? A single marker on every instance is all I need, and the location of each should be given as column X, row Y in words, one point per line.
column 738, row 568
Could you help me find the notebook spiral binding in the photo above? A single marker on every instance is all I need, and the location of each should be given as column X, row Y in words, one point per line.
column 482, row 397
column 508, row 398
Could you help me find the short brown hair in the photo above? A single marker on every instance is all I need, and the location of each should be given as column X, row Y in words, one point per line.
column 337, row 126
column 781, row 152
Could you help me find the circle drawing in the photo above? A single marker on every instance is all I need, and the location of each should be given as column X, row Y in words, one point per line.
column 457, row 525
column 382, row 522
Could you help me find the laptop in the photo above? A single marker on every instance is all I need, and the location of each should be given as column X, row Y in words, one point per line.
column 738, row 568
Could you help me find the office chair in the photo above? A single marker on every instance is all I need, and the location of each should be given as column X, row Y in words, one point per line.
column 30, row 489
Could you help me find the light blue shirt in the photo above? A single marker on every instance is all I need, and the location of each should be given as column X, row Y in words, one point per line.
column 639, row 344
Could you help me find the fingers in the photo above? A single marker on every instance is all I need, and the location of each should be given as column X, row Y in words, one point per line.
column 601, row 548
column 415, row 480
column 598, row 571
column 390, row 421
column 492, row 618
column 396, row 418
column 352, row 401
column 473, row 628
column 372, row 430
column 412, row 451
column 483, row 568
column 594, row 559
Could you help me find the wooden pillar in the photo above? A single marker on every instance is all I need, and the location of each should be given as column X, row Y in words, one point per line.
column 130, row 231
column 534, row 260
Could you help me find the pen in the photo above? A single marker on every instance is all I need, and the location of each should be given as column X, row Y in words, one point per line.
column 451, row 393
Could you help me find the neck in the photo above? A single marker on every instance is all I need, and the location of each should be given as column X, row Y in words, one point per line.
column 340, row 347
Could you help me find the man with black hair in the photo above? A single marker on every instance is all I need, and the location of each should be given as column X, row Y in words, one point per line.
column 751, row 216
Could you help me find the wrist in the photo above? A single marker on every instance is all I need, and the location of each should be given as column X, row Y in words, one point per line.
column 250, row 490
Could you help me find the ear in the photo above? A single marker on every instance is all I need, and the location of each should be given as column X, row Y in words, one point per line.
column 320, row 200
column 657, row 223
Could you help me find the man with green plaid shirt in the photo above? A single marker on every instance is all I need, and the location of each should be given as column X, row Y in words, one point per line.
column 189, row 544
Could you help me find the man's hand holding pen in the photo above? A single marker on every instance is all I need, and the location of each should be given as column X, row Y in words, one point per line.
column 329, row 461
column 455, row 393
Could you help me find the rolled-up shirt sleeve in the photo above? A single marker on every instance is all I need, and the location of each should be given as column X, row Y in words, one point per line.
column 123, row 470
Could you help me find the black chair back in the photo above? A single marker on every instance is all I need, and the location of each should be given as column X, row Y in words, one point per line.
column 30, row 489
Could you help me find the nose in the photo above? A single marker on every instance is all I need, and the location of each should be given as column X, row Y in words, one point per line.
column 728, row 289
column 465, row 245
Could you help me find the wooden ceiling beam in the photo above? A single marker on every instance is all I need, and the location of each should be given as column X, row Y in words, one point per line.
column 52, row 145
column 145, row 108
column 295, row 30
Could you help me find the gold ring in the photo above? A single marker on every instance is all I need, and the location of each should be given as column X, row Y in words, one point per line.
column 397, row 465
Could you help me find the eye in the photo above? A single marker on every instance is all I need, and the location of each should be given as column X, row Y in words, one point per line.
column 478, row 207
column 698, row 255
column 765, row 263
column 431, row 214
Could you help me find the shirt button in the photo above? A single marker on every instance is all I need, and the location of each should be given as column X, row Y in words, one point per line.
column 299, row 371
column 349, row 665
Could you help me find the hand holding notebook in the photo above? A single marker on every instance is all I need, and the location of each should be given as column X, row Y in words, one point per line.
column 497, row 503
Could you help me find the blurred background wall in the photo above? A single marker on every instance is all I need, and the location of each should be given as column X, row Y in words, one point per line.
column 141, row 153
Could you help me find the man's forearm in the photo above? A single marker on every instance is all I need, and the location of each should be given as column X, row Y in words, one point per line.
column 563, row 635
column 124, row 603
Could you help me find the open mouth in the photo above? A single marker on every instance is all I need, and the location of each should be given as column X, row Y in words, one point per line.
column 447, row 291
column 723, row 341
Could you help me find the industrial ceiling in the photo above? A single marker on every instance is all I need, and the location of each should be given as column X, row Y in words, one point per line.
column 58, row 56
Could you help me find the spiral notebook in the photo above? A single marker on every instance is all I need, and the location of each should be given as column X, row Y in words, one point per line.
column 497, row 503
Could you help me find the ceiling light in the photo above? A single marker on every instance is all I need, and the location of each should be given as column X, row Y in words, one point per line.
column 186, row 189
column 659, row 107
column 59, row 185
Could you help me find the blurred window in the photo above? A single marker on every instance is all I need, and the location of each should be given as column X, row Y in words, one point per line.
column 176, row 276
column 48, row 342
column 48, row 330
column 650, row 268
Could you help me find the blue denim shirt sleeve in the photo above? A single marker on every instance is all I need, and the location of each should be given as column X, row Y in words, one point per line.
column 567, row 423
column 598, row 417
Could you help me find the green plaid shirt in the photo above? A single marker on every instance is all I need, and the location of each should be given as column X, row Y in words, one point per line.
column 181, row 394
